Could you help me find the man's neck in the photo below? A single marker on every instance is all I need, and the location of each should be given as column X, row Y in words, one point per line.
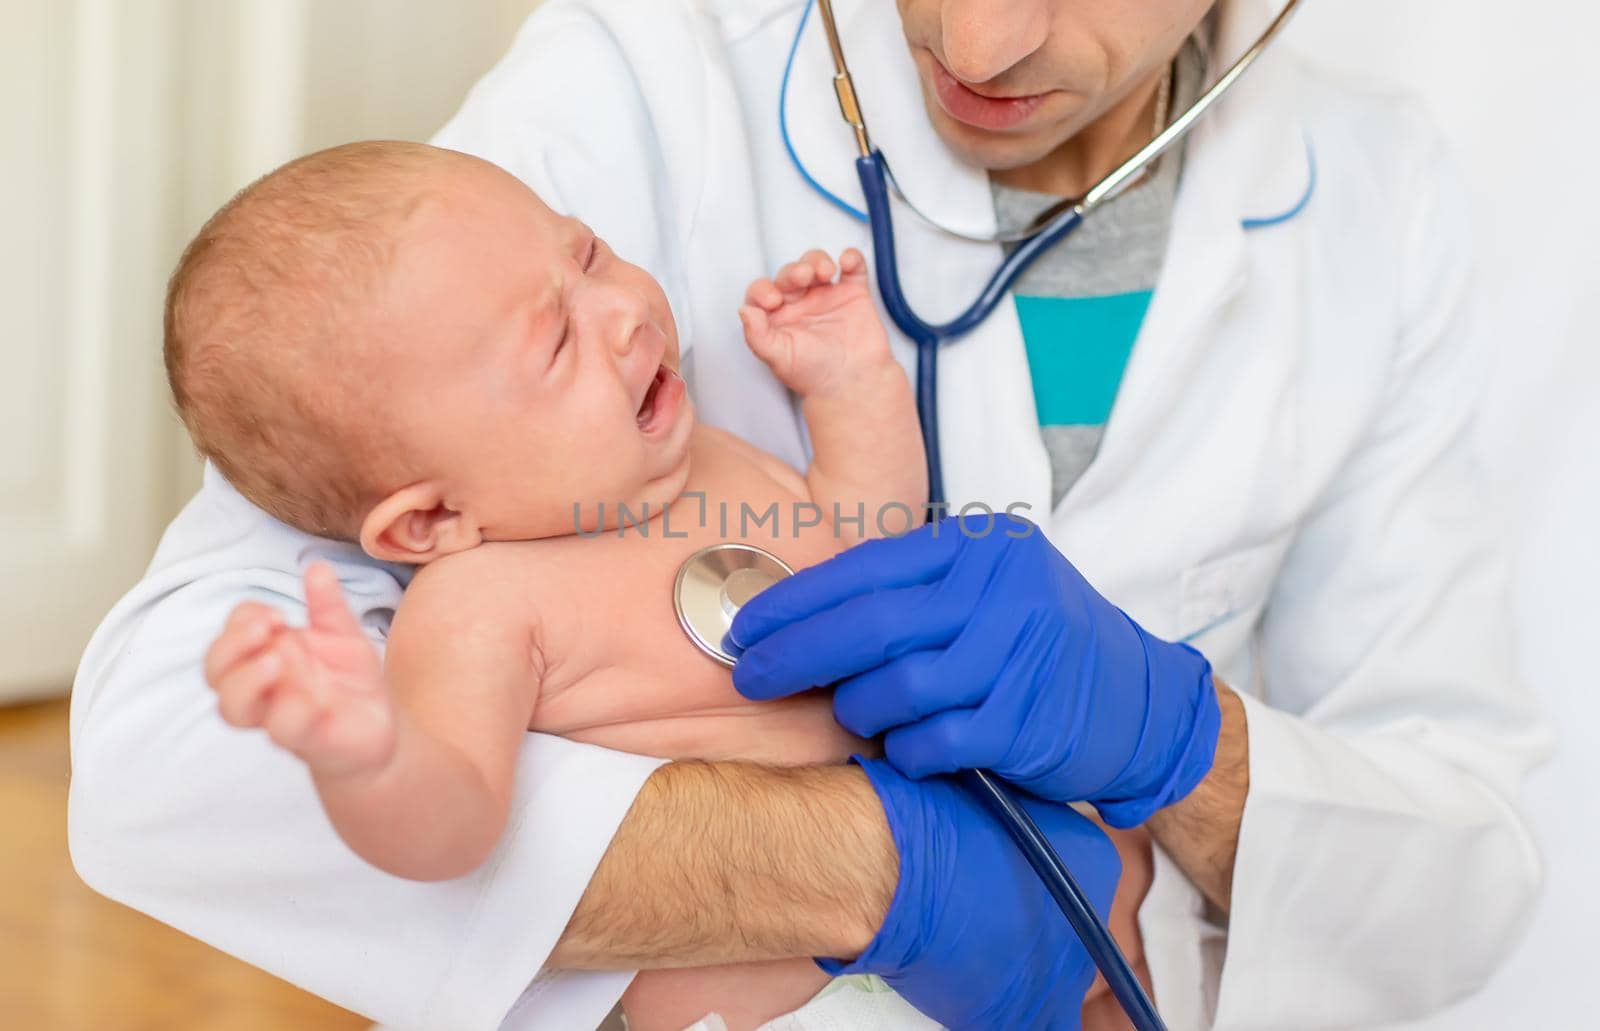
column 1074, row 167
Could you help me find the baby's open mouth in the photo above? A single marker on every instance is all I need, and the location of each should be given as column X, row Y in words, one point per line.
column 660, row 399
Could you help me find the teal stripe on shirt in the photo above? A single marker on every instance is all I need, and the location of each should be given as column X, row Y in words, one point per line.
column 1078, row 349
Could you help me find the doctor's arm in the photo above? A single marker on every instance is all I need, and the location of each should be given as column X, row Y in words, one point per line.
column 731, row 862
column 1201, row 831
column 664, row 894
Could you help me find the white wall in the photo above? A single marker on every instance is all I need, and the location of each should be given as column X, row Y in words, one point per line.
column 268, row 80
column 124, row 125
column 1514, row 86
column 86, row 117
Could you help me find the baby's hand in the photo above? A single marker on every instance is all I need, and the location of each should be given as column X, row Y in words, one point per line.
column 318, row 691
column 815, row 333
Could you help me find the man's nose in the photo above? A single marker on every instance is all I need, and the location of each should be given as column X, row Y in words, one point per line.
column 983, row 39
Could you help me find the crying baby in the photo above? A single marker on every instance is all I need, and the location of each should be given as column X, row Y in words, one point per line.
column 402, row 346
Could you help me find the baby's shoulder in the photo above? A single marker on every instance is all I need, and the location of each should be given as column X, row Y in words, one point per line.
column 721, row 448
column 495, row 585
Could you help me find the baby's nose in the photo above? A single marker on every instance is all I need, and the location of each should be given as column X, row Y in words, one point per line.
column 624, row 314
column 627, row 338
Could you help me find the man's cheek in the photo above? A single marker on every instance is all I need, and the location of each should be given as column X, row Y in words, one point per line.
column 917, row 18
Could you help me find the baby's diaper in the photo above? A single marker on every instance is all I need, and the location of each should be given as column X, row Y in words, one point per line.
column 856, row 1003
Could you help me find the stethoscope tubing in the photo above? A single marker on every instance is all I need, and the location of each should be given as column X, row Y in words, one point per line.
column 1092, row 932
column 873, row 171
column 929, row 338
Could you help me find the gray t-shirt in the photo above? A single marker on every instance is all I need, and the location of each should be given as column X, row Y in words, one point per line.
column 1082, row 304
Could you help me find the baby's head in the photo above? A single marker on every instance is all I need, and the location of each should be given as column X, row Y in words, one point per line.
column 403, row 346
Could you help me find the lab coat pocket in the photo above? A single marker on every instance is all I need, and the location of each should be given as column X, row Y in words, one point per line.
column 1221, row 598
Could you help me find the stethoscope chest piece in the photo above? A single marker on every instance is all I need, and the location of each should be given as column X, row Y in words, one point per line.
column 713, row 584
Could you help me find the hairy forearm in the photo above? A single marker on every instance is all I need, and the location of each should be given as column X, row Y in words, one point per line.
column 731, row 862
column 429, row 814
column 1201, row 832
column 867, row 451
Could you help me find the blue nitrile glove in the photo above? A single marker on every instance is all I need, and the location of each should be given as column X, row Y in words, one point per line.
column 972, row 939
column 988, row 650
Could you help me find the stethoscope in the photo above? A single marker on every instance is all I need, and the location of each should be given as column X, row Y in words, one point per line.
column 715, row 582
column 1048, row 229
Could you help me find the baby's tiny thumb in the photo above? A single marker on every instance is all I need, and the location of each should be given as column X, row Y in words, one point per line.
column 754, row 321
column 325, row 604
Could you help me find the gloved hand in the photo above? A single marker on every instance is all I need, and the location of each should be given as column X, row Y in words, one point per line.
column 972, row 939
column 988, row 650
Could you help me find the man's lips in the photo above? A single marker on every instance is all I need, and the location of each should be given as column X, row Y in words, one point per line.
column 965, row 105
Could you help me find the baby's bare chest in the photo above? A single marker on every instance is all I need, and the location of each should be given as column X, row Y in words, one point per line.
column 618, row 667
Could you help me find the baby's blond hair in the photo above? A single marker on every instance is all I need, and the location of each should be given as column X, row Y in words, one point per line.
column 265, row 350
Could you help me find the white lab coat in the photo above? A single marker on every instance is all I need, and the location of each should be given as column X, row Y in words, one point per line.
column 1285, row 474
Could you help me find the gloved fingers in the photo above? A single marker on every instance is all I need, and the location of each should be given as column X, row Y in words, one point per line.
column 971, row 938
column 943, row 743
column 889, row 564
column 963, row 676
column 859, row 634
column 905, row 690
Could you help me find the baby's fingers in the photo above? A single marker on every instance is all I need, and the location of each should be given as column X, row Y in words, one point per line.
column 754, row 321
column 303, row 671
column 764, row 294
column 799, row 276
column 290, row 719
column 822, row 267
column 249, row 629
column 326, row 606
column 243, row 692
column 796, row 277
column 852, row 264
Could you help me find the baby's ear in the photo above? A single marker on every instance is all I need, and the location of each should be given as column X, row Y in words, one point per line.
column 414, row 525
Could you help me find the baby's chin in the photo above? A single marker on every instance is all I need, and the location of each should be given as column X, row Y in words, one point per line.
column 662, row 479
column 668, row 487
column 669, row 442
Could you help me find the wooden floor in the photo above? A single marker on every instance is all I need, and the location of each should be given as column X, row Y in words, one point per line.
column 71, row 960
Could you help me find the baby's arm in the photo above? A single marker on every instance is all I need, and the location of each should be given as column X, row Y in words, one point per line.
column 414, row 758
column 824, row 340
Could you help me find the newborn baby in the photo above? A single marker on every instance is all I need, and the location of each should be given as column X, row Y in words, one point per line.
column 402, row 346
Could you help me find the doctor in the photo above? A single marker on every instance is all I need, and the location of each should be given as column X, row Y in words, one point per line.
column 1240, row 412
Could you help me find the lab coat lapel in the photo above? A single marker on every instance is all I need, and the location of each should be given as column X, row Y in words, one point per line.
column 1202, row 268
column 1248, row 159
column 993, row 452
